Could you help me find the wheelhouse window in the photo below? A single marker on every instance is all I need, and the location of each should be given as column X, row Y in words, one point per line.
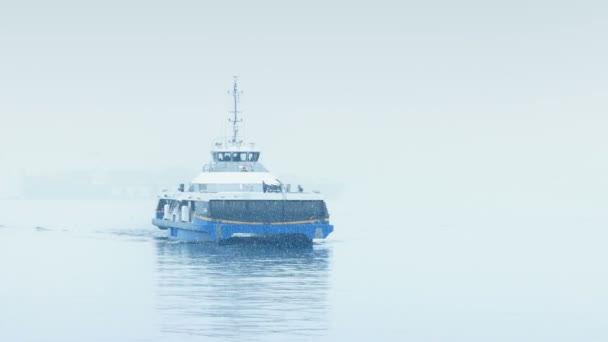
column 236, row 156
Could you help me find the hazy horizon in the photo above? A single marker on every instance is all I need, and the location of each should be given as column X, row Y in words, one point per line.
column 513, row 90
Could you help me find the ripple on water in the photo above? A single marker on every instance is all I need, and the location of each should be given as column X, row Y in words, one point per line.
column 135, row 234
column 243, row 289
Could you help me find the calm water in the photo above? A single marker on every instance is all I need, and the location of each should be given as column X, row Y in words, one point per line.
column 98, row 271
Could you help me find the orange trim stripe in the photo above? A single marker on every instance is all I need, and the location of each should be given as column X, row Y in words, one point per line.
column 259, row 223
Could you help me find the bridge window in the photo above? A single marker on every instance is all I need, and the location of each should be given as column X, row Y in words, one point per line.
column 236, row 156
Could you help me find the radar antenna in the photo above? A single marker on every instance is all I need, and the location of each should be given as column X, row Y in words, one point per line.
column 236, row 94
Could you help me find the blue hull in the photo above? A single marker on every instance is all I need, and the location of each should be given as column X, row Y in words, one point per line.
column 203, row 230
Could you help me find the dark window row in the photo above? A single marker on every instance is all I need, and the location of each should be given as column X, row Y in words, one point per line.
column 236, row 156
column 267, row 211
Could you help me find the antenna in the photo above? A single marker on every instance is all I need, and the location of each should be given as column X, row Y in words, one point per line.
column 235, row 120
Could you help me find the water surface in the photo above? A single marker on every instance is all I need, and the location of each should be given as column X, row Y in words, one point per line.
column 99, row 271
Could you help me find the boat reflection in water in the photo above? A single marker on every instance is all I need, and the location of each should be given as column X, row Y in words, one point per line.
column 247, row 289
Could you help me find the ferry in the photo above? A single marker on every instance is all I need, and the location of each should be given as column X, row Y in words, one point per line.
column 235, row 196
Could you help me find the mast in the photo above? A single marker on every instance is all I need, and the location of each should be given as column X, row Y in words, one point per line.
column 235, row 120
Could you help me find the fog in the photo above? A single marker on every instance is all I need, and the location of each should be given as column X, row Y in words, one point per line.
column 480, row 121
column 460, row 93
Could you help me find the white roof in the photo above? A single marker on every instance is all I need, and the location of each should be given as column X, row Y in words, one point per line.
column 206, row 196
column 235, row 178
column 226, row 145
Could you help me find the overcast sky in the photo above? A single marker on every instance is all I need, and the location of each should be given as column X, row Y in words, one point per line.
column 437, row 98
